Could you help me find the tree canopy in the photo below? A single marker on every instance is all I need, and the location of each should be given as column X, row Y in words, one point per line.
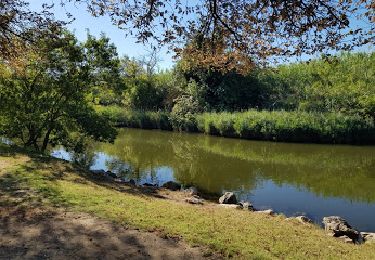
column 20, row 26
column 234, row 30
column 43, row 98
column 231, row 32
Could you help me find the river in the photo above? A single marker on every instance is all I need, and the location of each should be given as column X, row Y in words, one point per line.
column 293, row 179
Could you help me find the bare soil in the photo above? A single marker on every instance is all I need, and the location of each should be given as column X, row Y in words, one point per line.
column 27, row 233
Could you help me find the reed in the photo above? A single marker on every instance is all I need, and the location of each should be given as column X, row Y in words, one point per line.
column 282, row 126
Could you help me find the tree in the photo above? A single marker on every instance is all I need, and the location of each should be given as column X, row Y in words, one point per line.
column 233, row 31
column 143, row 93
column 151, row 61
column 131, row 68
column 106, row 80
column 144, row 89
column 43, row 100
column 342, row 83
column 18, row 24
column 245, row 29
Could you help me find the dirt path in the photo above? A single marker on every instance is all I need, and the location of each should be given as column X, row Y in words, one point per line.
column 55, row 234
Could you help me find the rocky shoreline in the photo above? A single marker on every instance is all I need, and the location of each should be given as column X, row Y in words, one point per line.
column 334, row 226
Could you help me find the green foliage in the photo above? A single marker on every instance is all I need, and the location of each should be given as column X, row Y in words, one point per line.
column 283, row 126
column 289, row 126
column 185, row 106
column 223, row 91
column 92, row 72
column 106, row 82
column 136, row 119
column 343, row 83
column 339, row 84
column 183, row 112
column 43, row 100
column 143, row 93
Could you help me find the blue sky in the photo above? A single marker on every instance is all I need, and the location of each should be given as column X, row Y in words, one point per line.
column 97, row 25
column 125, row 45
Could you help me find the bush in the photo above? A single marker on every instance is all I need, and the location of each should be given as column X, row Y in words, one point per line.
column 183, row 113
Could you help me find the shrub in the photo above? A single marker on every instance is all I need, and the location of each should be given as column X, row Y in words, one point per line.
column 183, row 113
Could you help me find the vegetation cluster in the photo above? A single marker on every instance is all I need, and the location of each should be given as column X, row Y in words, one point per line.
column 328, row 100
column 66, row 92
column 292, row 126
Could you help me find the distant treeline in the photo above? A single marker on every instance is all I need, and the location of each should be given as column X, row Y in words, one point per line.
column 328, row 100
column 343, row 83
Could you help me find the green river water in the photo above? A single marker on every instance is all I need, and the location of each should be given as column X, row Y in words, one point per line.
column 293, row 179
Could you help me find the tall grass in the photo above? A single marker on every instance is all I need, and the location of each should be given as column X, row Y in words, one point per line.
column 136, row 118
column 289, row 126
column 283, row 126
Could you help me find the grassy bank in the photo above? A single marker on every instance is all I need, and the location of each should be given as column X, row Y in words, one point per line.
column 243, row 234
column 256, row 125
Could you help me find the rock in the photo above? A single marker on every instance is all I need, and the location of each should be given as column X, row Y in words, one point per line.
column 368, row 237
column 230, row 206
column 149, row 184
column 346, row 239
column 246, row 205
column 111, row 174
column 228, row 198
column 19, row 193
column 335, row 223
column 191, row 191
column 266, row 212
column 194, row 200
column 340, row 227
column 118, row 180
column 98, row 172
column 303, row 220
column 171, row 185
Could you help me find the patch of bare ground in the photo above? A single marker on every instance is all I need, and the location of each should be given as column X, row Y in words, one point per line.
column 41, row 233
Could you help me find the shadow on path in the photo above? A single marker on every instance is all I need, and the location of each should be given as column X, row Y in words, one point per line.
column 29, row 230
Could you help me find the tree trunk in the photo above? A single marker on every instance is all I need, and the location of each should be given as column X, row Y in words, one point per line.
column 46, row 139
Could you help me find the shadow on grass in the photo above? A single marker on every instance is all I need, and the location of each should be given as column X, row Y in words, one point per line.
column 43, row 161
column 31, row 229
column 44, row 168
column 58, row 169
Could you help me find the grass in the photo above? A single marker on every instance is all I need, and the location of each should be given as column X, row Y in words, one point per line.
column 283, row 126
column 136, row 119
column 233, row 233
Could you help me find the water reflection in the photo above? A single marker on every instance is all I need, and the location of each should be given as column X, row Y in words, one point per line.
column 317, row 180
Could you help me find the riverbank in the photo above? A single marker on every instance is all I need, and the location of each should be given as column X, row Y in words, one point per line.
column 58, row 184
column 280, row 126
